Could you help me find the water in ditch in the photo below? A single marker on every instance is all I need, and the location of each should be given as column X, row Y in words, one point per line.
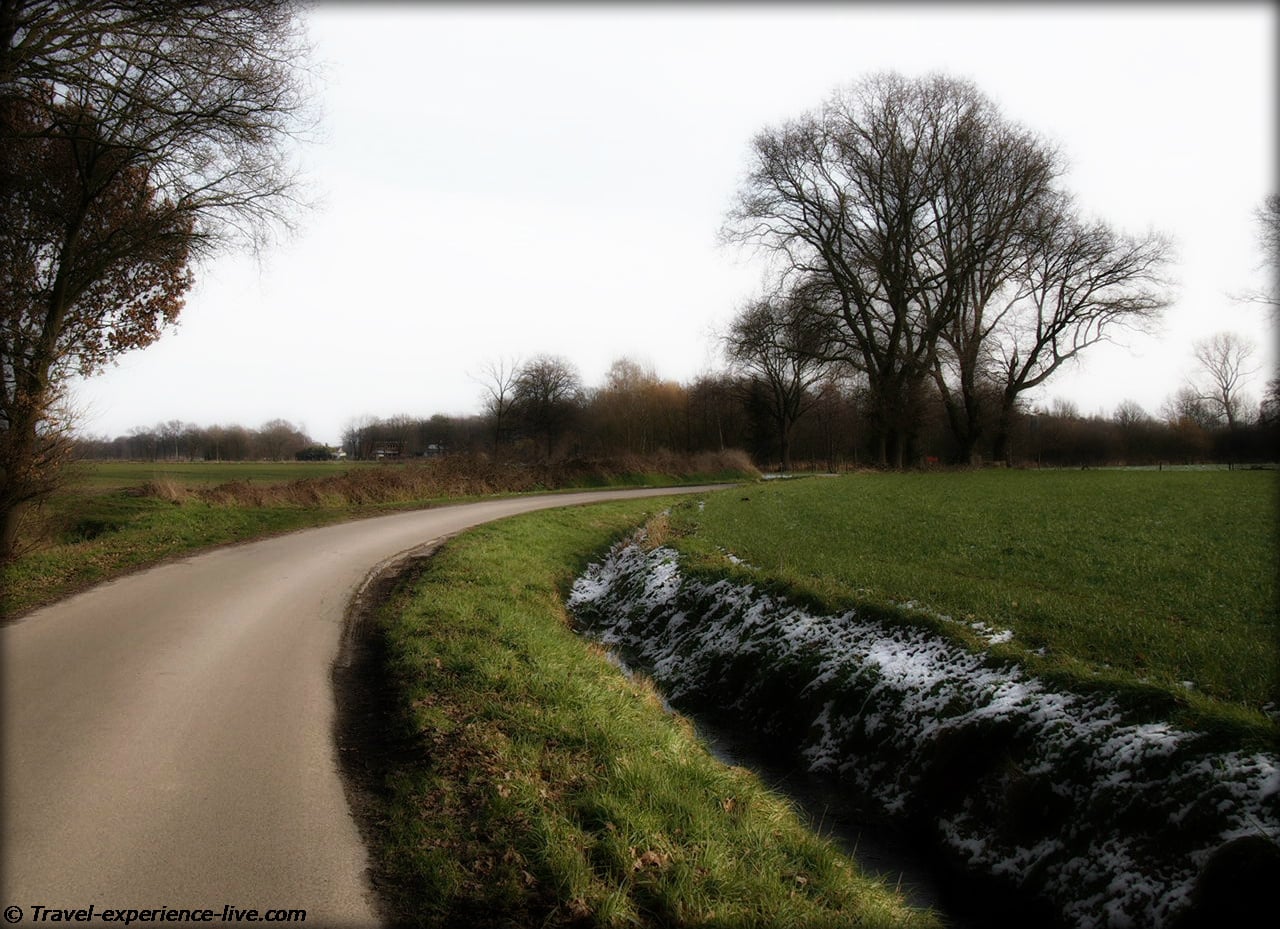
column 877, row 849
column 902, row 860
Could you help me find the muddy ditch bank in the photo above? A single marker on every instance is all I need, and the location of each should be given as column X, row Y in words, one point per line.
column 1055, row 802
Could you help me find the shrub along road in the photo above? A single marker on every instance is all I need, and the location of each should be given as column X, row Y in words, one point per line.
column 168, row 737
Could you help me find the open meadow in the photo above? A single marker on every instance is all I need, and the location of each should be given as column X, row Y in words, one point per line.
column 113, row 517
column 89, row 477
column 1165, row 579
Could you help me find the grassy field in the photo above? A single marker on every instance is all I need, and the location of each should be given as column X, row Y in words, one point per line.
column 1167, row 579
column 544, row 785
column 114, row 517
column 546, row 788
column 105, row 476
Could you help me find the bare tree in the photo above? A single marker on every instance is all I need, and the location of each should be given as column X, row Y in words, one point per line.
column 905, row 200
column 1268, row 220
column 498, row 381
column 636, row 411
column 1269, row 408
column 1082, row 282
column 547, row 392
column 171, row 434
column 1268, row 216
column 279, row 440
column 1130, row 413
column 781, row 345
column 716, row 418
column 134, row 138
column 1224, row 359
column 995, row 187
column 357, row 436
column 943, row 249
column 1186, row 405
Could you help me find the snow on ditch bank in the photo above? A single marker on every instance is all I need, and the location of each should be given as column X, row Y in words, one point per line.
column 1109, row 818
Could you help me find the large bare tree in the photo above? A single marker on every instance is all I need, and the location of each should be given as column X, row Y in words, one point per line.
column 905, row 199
column 136, row 138
column 497, row 380
column 1267, row 217
column 995, row 185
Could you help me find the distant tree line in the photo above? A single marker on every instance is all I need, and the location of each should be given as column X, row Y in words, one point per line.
column 541, row 409
column 814, row 419
column 277, row 440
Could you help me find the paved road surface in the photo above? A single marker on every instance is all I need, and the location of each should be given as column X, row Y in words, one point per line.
column 168, row 737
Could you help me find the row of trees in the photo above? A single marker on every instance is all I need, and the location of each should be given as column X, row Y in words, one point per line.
column 277, row 440
column 542, row 409
column 1062, row 437
column 780, row 413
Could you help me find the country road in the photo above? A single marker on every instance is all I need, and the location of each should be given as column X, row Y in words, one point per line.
column 168, row 737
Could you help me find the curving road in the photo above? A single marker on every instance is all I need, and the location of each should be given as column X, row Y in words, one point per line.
column 168, row 737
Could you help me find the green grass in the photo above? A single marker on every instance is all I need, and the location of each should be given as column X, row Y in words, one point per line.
column 547, row 788
column 1126, row 578
column 107, row 535
column 105, row 522
column 104, row 476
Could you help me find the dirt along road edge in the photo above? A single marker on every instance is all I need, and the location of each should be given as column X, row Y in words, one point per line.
column 169, row 737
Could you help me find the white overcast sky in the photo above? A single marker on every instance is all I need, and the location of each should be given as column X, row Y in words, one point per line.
column 506, row 180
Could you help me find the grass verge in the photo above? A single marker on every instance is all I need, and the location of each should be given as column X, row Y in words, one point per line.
column 109, row 536
column 547, row 788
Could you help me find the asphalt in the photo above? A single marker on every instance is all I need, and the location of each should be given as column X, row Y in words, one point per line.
column 168, row 738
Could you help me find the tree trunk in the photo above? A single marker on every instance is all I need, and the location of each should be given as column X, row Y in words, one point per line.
column 25, row 477
column 968, row 453
column 10, row 518
column 1002, row 449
